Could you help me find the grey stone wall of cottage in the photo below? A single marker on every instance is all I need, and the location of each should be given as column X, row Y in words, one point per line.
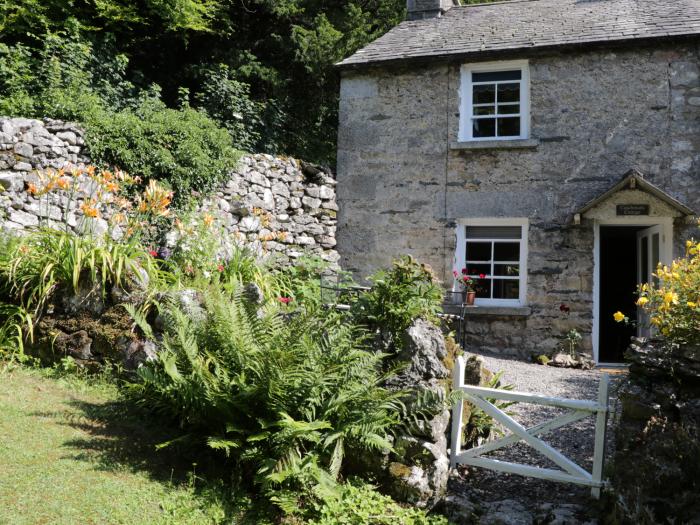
column 596, row 114
column 274, row 205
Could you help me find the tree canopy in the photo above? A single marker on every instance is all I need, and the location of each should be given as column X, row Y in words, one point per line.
column 262, row 69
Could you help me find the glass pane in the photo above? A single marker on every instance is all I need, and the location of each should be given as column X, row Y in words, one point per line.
column 509, row 127
column 475, row 270
column 507, row 270
column 485, row 94
column 484, row 110
column 509, row 93
column 483, row 288
column 506, row 289
column 485, row 127
column 505, row 109
column 506, row 251
column 494, row 76
column 493, row 232
column 645, row 260
column 478, row 251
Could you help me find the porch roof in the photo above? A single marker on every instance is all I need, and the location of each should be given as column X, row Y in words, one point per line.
column 633, row 179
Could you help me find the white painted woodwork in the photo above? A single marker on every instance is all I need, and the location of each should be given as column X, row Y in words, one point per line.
column 571, row 472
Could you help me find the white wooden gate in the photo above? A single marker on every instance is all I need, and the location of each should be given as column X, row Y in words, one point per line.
column 571, row 472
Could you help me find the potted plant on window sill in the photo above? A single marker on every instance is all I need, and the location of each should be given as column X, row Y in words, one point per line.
column 468, row 286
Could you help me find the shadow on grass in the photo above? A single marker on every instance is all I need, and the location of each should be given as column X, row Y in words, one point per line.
column 123, row 437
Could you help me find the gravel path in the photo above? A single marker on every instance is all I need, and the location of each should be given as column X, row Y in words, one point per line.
column 574, row 440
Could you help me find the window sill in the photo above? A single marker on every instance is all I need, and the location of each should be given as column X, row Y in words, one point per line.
column 496, row 144
column 500, row 311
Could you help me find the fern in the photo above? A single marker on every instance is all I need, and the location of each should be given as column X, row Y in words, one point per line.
column 282, row 396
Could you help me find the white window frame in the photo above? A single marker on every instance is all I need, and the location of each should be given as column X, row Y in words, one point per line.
column 466, row 97
column 461, row 248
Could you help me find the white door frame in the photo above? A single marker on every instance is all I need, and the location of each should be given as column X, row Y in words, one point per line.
column 666, row 257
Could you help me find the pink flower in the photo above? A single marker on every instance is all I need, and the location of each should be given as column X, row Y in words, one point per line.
column 220, row 268
column 284, row 300
column 482, row 276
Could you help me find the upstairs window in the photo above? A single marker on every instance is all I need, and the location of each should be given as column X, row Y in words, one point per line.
column 495, row 101
column 493, row 252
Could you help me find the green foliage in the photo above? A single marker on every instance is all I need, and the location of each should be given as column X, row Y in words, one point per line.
column 46, row 261
column 398, row 296
column 673, row 300
column 479, row 425
column 70, row 79
column 284, row 396
column 361, row 504
column 227, row 101
column 183, row 148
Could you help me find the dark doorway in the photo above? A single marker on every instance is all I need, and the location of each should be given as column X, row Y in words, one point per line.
column 618, row 284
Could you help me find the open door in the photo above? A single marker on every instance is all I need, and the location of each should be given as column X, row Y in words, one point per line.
column 650, row 246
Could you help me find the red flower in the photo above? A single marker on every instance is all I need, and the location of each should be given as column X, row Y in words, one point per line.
column 464, row 271
column 284, row 300
column 564, row 308
column 482, row 276
column 153, row 253
column 454, row 272
column 220, row 268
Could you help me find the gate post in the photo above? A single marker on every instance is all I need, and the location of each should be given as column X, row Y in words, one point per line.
column 600, row 428
column 457, row 411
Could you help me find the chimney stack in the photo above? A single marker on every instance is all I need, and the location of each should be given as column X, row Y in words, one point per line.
column 421, row 9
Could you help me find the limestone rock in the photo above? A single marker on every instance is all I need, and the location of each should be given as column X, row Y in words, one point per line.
column 423, row 350
column 138, row 353
column 77, row 345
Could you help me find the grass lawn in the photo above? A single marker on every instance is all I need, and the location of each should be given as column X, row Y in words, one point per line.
column 70, row 453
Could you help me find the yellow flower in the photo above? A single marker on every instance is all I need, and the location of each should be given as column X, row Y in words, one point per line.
column 208, row 220
column 63, row 183
column 692, row 304
column 642, row 301
column 618, row 316
column 671, row 297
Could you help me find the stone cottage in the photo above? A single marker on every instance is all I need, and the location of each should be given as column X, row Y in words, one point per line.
column 550, row 146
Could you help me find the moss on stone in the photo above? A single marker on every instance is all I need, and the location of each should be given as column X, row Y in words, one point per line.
column 399, row 470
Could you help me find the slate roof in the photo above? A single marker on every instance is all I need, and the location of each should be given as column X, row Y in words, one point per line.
column 529, row 25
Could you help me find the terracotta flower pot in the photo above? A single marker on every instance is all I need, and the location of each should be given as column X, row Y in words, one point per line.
column 469, row 298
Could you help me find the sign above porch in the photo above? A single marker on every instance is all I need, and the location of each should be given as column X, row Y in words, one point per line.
column 633, row 209
column 632, row 196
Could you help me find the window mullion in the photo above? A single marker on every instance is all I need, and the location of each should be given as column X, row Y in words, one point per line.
column 493, row 255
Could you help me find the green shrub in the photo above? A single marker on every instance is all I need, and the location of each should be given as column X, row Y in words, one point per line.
column 184, row 147
column 361, row 504
column 67, row 78
column 407, row 291
column 228, row 102
column 284, row 395
column 673, row 303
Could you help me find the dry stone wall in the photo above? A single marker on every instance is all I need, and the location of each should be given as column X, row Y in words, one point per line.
column 274, row 205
